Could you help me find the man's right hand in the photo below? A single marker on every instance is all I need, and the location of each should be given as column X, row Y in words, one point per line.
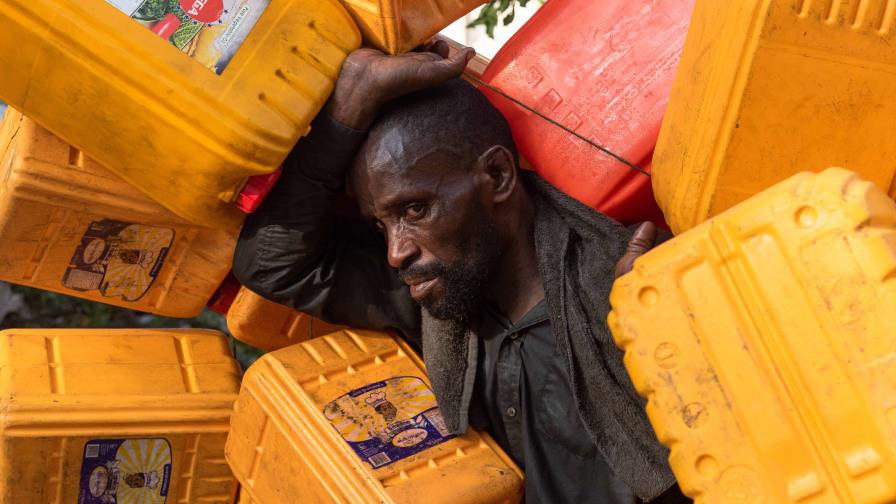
column 370, row 78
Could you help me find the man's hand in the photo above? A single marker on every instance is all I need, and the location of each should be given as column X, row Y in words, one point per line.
column 642, row 240
column 370, row 78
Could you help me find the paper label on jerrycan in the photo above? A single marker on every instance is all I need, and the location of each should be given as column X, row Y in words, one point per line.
column 210, row 31
column 119, row 259
column 125, row 471
column 390, row 420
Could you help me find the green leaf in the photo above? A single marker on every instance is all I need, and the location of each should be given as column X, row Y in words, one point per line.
column 152, row 10
column 496, row 11
column 509, row 18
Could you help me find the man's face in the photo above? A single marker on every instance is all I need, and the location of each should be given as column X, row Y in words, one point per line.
column 440, row 237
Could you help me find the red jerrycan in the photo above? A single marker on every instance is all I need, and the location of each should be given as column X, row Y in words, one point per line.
column 603, row 70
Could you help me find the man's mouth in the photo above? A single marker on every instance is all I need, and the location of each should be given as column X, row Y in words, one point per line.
column 421, row 287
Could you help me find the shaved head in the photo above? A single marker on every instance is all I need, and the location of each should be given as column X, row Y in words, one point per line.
column 451, row 122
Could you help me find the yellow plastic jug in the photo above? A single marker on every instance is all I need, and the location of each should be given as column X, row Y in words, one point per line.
column 185, row 99
column 350, row 417
column 100, row 416
column 270, row 326
column 769, row 88
column 764, row 342
column 69, row 225
column 397, row 26
column 264, row 324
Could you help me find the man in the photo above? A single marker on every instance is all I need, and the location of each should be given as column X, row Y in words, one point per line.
column 513, row 277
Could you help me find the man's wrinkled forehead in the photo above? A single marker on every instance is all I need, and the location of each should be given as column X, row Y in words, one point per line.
column 392, row 158
column 403, row 152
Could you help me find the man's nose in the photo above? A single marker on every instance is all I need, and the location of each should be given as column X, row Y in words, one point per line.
column 401, row 249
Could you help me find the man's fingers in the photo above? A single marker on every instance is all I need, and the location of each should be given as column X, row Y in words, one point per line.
column 440, row 47
column 643, row 239
column 454, row 65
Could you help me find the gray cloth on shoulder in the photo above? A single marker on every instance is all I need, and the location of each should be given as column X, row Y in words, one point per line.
column 577, row 249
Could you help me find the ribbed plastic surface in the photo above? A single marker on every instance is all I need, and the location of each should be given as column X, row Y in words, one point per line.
column 183, row 134
column 71, row 226
column 270, row 326
column 397, row 26
column 349, row 417
column 604, row 70
column 764, row 341
column 769, row 88
column 98, row 416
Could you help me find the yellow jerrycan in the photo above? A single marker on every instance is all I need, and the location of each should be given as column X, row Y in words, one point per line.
column 184, row 99
column 769, row 88
column 350, row 417
column 764, row 342
column 261, row 323
column 103, row 416
column 397, row 26
column 270, row 326
column 68, row 225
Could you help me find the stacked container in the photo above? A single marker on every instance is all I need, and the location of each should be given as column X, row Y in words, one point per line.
column 69, row 225
column 768, row 88
column 602, row 70
column 100, row 416
column 183, row 99
column 350, row 417
column 764, row 342
column 397, row 26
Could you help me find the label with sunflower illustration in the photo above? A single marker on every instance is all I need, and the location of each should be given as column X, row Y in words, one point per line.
column 209, row 31
column 118, row 259
column 387, row 421
column 125, row 471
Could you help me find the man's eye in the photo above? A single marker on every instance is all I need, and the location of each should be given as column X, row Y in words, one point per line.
column 379, row 226
column 415, row 211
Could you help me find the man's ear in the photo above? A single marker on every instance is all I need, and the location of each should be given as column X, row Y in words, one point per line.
column 497, row 168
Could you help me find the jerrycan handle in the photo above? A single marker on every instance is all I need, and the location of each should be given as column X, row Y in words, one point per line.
column 222, row 299
column 256, row 190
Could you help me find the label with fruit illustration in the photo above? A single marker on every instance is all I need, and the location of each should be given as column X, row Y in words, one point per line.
column 209, row 31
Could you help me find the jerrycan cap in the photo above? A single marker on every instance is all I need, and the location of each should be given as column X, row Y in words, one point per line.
column 222, row 299
column 256, row 190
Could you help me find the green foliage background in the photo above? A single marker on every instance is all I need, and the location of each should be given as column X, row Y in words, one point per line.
column 56, row 311
column 499, row 11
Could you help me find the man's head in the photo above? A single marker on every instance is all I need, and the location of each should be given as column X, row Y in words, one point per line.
column 438, row 177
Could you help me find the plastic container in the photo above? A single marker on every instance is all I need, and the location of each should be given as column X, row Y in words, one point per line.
column 147, row 91
column 767, row 89
column 349, row 417
column 68, row 225
column 264, row 324
column 603, row 70
column 764, row 342
column 270, row 326
column 397, row 26
column 101, row 416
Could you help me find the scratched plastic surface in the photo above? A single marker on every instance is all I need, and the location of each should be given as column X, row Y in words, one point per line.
column 767, row 89
column 764, row 342
column 397, row 26
column 270, row 326
column 166, row 115
column 94, row 416
column 307, row 413
column 69, row 225
column 604, row 70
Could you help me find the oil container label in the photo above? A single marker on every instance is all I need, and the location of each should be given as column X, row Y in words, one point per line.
column 387, row 421
column 209, row 31
column 125, row 471
column 118, row 259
